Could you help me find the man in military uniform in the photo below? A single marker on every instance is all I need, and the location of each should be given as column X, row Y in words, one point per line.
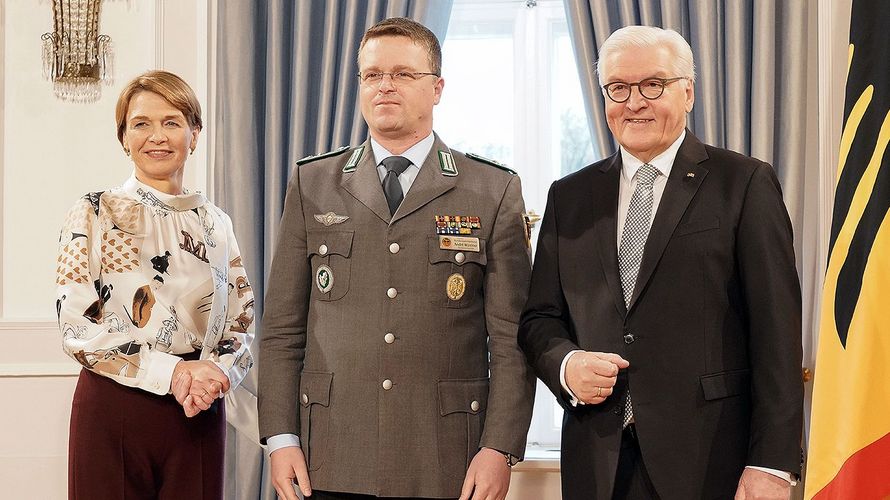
column 390, row 365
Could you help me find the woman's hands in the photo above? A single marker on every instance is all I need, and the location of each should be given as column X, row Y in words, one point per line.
column 197, row 384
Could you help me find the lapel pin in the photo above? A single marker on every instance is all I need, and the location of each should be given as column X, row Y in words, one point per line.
column 691, row 175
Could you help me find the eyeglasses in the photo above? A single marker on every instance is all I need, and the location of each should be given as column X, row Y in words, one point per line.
column 397, row 77
column 650, row 88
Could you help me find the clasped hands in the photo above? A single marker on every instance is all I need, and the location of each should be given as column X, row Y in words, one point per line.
column 591, row 376
column 197, row 384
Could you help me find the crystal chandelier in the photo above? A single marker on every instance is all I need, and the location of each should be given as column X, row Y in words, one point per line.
column 76, row 58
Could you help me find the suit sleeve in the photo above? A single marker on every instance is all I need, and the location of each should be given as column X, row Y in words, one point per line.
column 544, row 330
column 283, row 337
column 772, row 294
column 512, row 390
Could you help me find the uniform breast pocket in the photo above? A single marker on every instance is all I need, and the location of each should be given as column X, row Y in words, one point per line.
column 455, row 276
column 329, row 253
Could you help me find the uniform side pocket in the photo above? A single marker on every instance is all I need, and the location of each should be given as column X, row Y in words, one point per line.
column 315, row 398
column 462, row 404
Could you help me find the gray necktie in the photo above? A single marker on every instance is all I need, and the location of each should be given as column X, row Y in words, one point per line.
column 633, row 241
column 394, row 165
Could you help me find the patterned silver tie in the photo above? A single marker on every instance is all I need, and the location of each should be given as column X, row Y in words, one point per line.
column 633, row 241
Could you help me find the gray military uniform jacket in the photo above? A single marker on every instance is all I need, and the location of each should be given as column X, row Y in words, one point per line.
column 391, row 353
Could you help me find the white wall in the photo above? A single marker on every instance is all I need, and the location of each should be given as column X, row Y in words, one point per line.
column 51, row 152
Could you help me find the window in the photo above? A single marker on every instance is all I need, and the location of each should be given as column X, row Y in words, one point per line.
column 512, row 94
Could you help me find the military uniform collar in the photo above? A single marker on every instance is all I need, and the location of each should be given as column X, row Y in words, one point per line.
column 416, row 154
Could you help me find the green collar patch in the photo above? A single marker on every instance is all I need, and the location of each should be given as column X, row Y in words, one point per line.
column 491, row 162
column 354, row 159
column 446, row 164
column 310, row 159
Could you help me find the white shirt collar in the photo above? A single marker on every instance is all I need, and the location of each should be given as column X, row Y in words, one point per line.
column 663, row 162
column 416, row 154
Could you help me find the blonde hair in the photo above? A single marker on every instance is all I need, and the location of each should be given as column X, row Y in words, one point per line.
column 648, row 37
column 165, row 84
column 416, row 32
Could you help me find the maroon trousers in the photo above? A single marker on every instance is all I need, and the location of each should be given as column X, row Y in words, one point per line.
column 127, row 443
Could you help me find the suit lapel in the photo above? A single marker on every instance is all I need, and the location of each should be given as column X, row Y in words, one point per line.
column 680, row 188
column 364, row 184
column 429, row 184
column 605, row 207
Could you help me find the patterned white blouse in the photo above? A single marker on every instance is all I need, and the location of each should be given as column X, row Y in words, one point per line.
column 143, row 276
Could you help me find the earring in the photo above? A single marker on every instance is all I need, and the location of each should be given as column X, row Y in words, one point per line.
column 127, row 151
column 192, row 151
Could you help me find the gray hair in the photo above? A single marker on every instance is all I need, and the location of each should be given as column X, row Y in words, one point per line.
column 647, row 37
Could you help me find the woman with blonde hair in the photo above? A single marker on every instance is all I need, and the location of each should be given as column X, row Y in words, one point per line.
column 154, row 302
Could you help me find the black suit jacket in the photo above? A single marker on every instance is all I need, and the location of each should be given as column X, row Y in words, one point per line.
column 712, row 333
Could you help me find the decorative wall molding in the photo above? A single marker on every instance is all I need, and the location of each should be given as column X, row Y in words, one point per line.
column 28, row 325
column 31, row 370
column 159, row 33
column 37, row 334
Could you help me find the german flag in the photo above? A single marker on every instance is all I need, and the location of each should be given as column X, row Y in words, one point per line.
column 849, row 453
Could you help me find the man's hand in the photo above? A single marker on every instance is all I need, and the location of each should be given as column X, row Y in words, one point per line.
column 289, row 467
column 758, row 485
column 488, row 477
column 592, row 375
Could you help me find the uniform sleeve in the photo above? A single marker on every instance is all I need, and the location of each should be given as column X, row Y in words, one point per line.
column 283, row 339
column 232, row 353
column 512, row 390
column 100, row 341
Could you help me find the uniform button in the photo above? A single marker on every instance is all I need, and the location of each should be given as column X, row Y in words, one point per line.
column 323, row 250
column 305, row 399
column 459, row 257
column 394, row 248
column 629, row 338
column 387, row 384
column 474, row 406
column 389, row 338
column 391, row 293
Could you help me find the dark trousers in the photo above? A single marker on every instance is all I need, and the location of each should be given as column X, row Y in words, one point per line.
column 631, row 480
column 330, row 495
column 127, row 443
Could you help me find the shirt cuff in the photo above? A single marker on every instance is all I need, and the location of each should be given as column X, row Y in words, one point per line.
column 159, row 375
column 778, row 473
column 573, row 400
column 280, row 441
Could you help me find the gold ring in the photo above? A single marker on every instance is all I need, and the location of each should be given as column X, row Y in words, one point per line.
column 599, row 392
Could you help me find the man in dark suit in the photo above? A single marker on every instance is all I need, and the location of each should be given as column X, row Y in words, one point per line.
column 390, row 365
column 664, row 310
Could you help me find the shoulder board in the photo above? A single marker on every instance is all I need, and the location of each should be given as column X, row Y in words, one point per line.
column 310, row 159
column 491, row 162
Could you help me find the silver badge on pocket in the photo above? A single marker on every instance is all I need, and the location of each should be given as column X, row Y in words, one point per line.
column 324, row 278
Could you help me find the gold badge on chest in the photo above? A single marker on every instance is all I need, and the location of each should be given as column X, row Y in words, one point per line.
column 455, row 286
